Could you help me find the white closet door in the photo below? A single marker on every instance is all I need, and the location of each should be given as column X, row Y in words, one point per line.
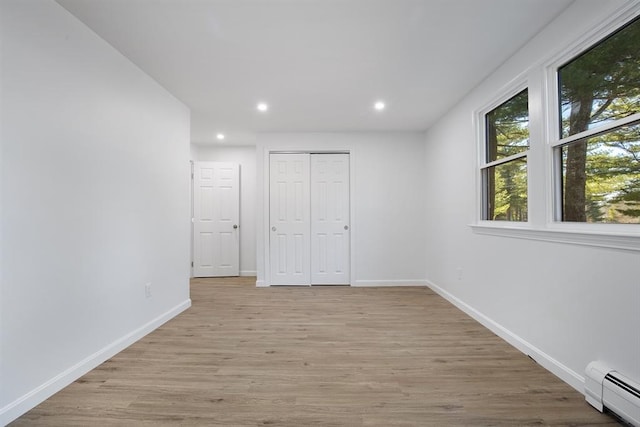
column 289, row 206
column 330, row 226
column 216, row 210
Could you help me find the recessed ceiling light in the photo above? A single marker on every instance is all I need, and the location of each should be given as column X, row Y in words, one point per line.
column 379, row 105
column 262, row 107
column 220, row 136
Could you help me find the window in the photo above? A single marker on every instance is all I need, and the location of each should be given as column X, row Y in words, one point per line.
column 559, row 155
column 504, row 170
column 598, row 151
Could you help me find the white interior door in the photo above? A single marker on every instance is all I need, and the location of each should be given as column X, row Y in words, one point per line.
column 330, row 226
column 216, row 210
column 289, row 206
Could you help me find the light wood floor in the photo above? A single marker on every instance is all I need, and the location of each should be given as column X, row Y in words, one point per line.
column 322, row 356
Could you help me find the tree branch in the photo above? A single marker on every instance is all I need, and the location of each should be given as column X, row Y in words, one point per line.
column 602, row 108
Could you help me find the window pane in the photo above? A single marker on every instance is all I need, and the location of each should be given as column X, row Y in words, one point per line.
column 602, row 84
column 601, row 177
column 508, row 128
column 506, row 191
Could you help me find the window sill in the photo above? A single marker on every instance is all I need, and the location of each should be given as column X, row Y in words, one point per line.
column 611, row 240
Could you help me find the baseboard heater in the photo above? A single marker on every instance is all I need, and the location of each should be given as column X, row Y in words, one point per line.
column 606, row 388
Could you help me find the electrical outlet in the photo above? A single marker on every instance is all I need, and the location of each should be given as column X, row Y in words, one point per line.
column 147, row 290
column 459, row 271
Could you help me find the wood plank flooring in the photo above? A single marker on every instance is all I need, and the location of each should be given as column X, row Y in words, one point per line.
column 321, row 356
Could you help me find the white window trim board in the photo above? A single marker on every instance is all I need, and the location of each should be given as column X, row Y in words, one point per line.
column 578, row 236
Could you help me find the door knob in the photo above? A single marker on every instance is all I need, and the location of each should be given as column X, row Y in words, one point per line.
column 346, row 227
column 235, row 226
column 273, row 228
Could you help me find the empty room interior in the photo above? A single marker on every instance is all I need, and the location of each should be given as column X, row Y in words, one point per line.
column 341, row 212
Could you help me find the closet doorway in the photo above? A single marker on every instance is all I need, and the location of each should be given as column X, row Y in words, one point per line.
column 309, row 226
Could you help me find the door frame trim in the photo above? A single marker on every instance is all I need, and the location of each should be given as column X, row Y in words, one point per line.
column 265, row 208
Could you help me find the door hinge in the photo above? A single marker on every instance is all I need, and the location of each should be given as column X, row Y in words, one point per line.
column 191, row 263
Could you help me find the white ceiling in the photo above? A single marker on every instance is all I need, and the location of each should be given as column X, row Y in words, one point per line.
column 320, row 64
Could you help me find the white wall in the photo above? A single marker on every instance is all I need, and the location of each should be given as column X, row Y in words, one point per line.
column 388, row 232
column 245, row 156
column 564, row 304
column 95, row 184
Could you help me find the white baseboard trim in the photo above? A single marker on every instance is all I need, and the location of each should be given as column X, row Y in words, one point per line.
column 384, row 283
column 368, row 283
column 247, row 273
column 558, row 369
column 38, row 395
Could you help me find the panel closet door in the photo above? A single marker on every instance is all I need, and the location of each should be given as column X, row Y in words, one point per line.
column 309, row 237
column 289, row 217
column 330, row 226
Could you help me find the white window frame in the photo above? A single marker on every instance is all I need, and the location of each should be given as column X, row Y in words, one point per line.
column 542, row 81
column 481, row 129
column 555, row 140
